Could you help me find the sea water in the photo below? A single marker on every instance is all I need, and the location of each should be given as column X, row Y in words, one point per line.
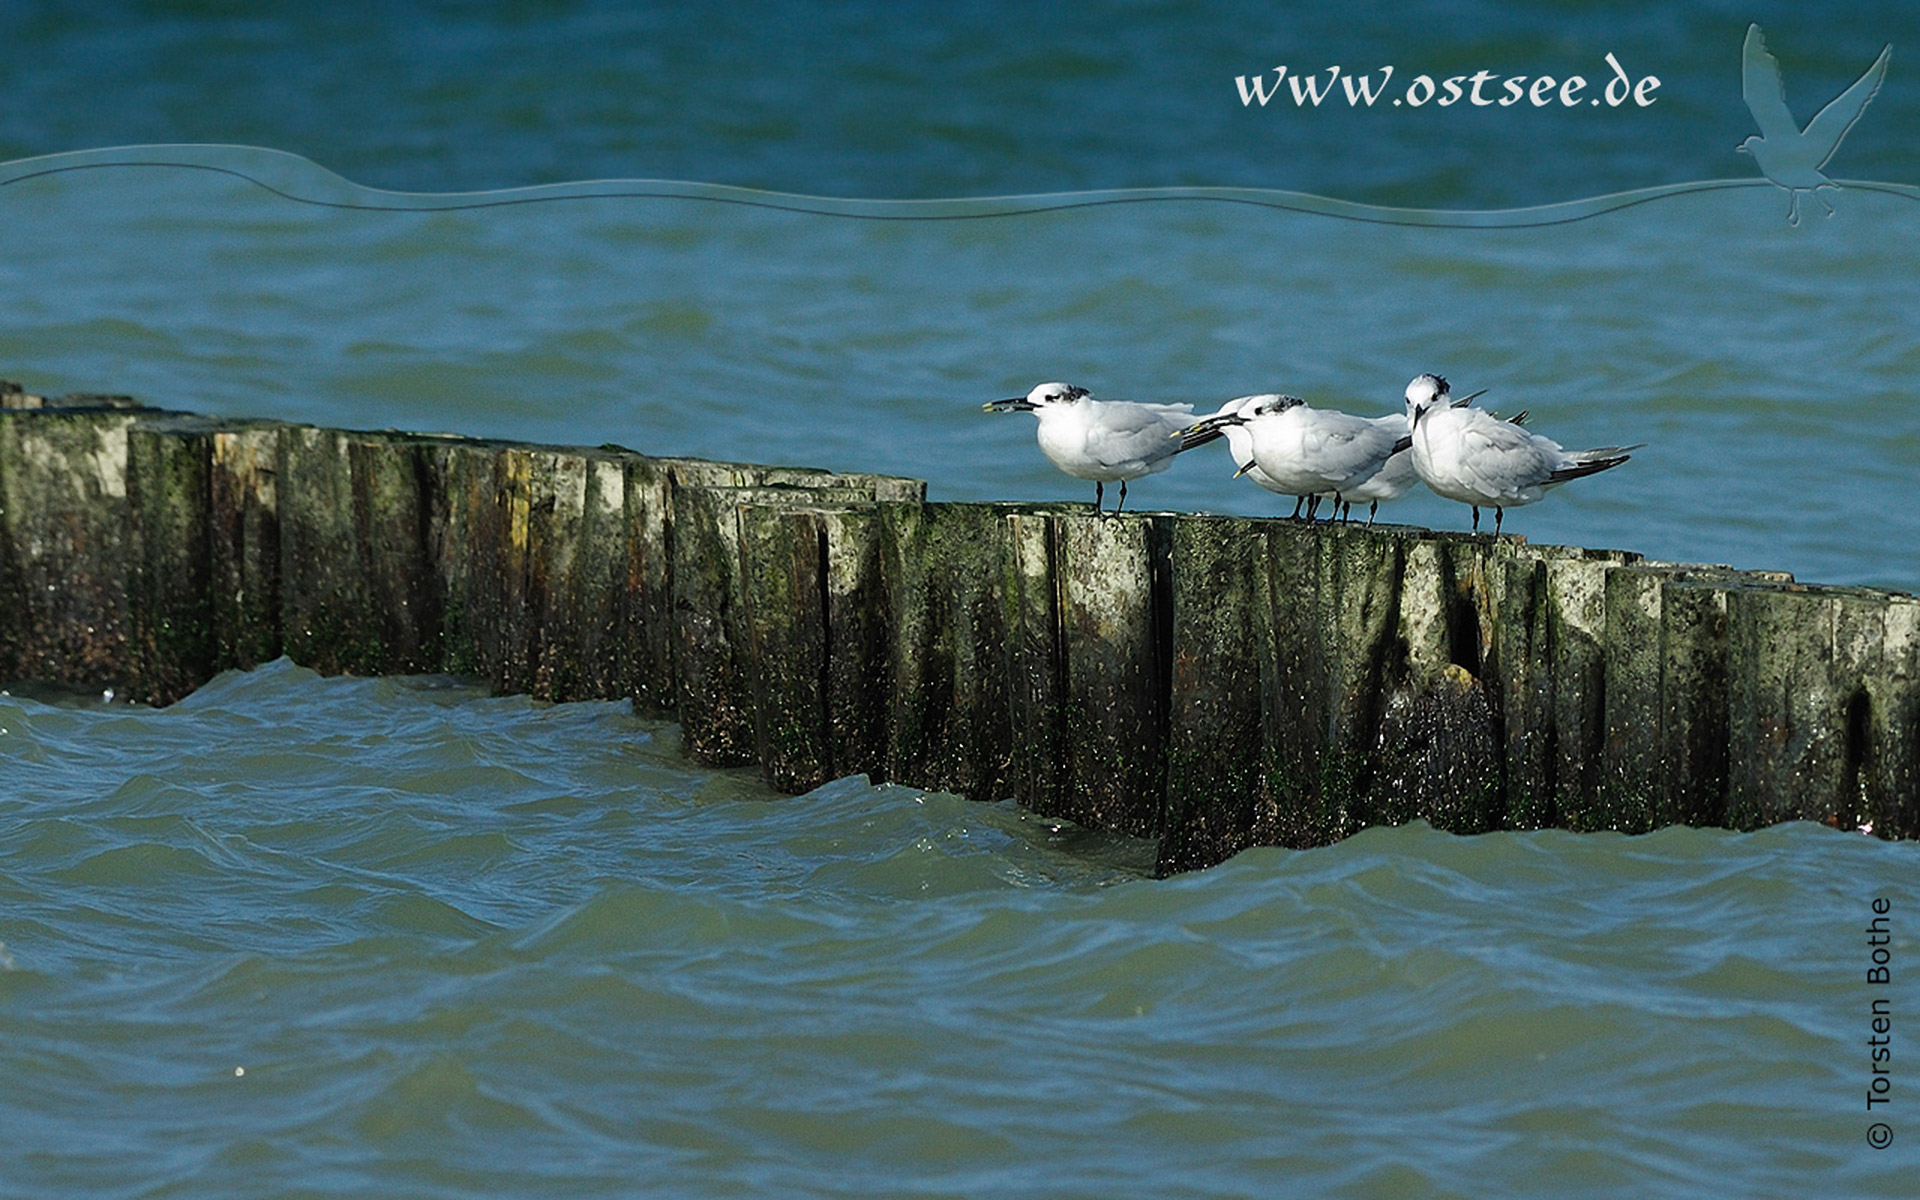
column 303, row 936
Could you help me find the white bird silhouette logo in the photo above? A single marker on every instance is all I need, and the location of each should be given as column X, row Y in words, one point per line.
column 1788, row 156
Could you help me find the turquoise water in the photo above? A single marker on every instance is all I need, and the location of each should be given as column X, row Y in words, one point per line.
column 1771, row 378
column 298, row 936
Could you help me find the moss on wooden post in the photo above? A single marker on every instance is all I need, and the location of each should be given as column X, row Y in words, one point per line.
column 1218, row 682
column 1035, row 661
column 64, row 545
column 1631, row 776
column 1437, row 744
column 243, row 544
column 712, row 672
column 859, row 682
column 597, row 600
column 1883, row 647
column 1357, row 603
column 1116, row 627
column 172, row 648
column 1576, row 593
column 1297, row 714
column 465, row 536
column 564, row 610
column 1222, row 640
column 1788, row 720
column 784, row 596
column 1693, row 701
column 948, row 721
column 319, row 565
column 651, row 678
column 394, row 492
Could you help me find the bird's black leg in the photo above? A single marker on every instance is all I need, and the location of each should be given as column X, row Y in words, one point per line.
column 1476, row 518
column 1497, row 514
column 1372, row 513
column 1123, row 498
column 1299, row 502
column 1099, row 494
column 1313, row 507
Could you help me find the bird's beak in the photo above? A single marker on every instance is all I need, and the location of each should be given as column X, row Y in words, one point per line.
column 1011, row 404
column 1243, row 470
column 1418, row 412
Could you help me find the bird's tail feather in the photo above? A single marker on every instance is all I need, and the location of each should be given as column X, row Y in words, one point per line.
column 1190, row 439
column 1592, row 462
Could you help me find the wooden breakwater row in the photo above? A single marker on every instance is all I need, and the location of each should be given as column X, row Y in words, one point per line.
column 1216, row 682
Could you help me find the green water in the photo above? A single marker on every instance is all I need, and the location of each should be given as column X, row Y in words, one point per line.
column 1770, row 376
column 298, row 936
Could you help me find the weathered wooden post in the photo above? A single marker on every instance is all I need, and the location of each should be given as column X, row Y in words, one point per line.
column 1218, row 790
column 944, row 571
column 1217, row 682
column 1438, row 742
column 169, row 474
column 1035, row 662
column 1294, row 711
column 65, row 547
column 243, row 544
column 1881, row 645
column 859, row 623
column 1787, row 719
column 1822, row 706
column 1115, row 603
column 713, row 649
column 357, row 589
column 568, row 605
column 1355, row 622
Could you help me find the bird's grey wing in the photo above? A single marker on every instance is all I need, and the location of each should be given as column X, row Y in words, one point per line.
column 1505, row 459
column 1349, row 447
column 1137, row 432
column 1843, row 110
column 1760, row 85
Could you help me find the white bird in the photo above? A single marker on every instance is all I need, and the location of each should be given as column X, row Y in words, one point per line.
column 1788, row 156
column 1239, row 446
column 1393, row 480
column 1101, row 440
column 1471, row 455
column 1312, row 452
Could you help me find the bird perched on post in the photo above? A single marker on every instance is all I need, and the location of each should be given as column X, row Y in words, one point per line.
column 1239, row 446
column 1101, row 440
column 1470, row 455
column 1309, row 452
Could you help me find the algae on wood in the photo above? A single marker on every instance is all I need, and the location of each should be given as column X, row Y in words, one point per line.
column 1217, row 682
column 65, row 545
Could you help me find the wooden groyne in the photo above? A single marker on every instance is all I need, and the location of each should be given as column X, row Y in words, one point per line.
column 1215, row 682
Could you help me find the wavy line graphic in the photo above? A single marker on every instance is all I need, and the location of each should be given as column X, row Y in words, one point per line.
column 300, row 180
